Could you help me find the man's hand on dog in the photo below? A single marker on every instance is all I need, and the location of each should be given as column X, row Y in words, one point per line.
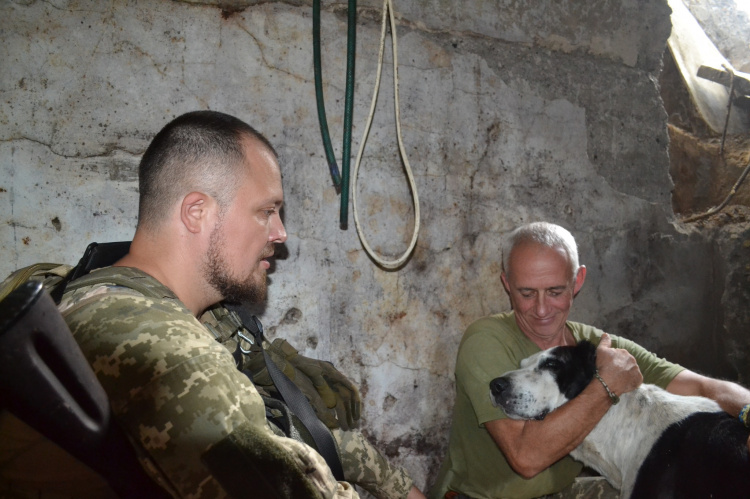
column 617, row 367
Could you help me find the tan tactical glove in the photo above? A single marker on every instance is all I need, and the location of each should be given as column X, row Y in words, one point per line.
column 325, row 387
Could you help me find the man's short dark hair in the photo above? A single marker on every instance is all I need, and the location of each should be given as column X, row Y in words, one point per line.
column 197, row 151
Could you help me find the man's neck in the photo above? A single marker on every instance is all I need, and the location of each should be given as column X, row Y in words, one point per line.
column 564, row 338
column 174, row 270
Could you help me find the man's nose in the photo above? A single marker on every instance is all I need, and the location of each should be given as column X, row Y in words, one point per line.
column 541, row 304
column 278, row 232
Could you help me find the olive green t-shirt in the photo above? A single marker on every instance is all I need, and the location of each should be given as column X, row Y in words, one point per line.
column 474, row 464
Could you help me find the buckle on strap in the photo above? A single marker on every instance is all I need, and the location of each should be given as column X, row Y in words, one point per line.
column 243, row 337
column 252, row 325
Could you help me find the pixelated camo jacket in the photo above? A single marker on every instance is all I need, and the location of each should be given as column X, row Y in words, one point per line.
column 173, row 388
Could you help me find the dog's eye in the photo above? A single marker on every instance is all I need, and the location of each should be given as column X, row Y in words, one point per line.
column 550, row 363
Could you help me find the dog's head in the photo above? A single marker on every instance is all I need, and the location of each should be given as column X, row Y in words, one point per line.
column 545, row 381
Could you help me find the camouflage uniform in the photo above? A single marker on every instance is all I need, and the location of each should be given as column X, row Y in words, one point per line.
column 584, row 487
column 177, row 391
column 593, row 487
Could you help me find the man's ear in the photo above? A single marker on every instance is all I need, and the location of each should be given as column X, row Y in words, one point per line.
column 196, row 211
column 580, row 278
column 505, row 283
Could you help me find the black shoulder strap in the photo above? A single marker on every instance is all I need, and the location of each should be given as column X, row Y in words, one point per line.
column 97, row 255
column 296, row 400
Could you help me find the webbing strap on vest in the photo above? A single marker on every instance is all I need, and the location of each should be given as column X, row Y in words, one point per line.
column 296, row 400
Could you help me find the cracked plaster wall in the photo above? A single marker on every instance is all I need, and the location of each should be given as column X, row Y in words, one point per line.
column 510, row 112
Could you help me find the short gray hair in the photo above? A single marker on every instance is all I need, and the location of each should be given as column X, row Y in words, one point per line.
column 546, row 234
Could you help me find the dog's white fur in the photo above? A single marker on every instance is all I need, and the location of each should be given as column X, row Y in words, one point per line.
column 620, row 442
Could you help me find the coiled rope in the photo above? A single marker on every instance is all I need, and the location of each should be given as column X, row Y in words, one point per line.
column 388, row 264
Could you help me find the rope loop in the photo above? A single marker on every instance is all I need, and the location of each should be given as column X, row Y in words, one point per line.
column 387, row 264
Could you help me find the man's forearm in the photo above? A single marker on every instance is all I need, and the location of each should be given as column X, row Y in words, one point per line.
column 731, row 397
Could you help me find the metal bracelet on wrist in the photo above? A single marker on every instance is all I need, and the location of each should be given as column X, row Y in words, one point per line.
column 612, row 396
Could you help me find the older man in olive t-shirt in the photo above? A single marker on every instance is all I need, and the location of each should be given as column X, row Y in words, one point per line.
column 474, row 465
column 491, row 455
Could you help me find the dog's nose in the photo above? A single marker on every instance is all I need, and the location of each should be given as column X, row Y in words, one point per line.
column 498, row 385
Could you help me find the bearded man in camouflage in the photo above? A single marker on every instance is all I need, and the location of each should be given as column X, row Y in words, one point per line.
column 210, row 196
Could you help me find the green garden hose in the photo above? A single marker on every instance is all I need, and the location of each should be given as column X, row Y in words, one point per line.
column 341, row 182
column 319, row 98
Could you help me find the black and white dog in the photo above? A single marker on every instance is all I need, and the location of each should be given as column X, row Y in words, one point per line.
column 651, row 444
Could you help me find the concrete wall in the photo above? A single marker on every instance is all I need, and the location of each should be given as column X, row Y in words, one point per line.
column 511, row 113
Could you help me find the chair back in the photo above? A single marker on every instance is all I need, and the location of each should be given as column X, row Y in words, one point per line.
column 46, row 382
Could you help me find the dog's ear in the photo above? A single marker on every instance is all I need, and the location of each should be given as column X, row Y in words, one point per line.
column 586, row 356
column 579, row 370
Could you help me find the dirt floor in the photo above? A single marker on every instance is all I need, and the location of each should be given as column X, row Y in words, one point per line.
column 703, row 178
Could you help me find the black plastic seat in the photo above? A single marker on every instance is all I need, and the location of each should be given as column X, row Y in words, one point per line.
column 46, row 382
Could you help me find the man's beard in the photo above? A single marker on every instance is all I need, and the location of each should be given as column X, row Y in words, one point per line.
column 252, row 289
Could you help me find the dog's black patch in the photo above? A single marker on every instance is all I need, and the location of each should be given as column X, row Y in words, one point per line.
column 705, row 444
column 573, row 367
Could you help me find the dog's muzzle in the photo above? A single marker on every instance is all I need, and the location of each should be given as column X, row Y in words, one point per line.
column 503, row 396
column 499, row 389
